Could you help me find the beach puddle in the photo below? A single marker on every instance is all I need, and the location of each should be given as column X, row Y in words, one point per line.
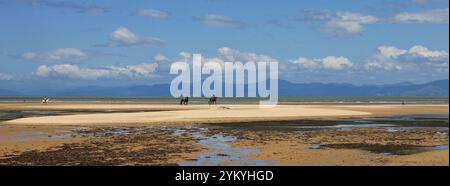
column 440, row 147
column 314, row 147
column 344, row 127
column 222, row 152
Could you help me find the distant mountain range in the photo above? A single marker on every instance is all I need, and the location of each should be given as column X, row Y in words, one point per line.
column 435, row 88
column 286, row 88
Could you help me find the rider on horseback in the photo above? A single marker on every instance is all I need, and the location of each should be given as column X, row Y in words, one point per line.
column 212, row 100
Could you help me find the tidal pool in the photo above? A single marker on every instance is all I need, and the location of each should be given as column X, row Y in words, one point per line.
column 222, row 152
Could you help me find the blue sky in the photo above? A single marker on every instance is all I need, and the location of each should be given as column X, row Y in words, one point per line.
column 112, row 43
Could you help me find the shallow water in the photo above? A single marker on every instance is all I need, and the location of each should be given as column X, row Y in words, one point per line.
column 440, row 147
column 223, row 152
column 438, row 120
column 345, row 126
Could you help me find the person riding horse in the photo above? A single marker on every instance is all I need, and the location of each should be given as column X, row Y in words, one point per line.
column 212, row 100
column 184, row 100
column 45, row 100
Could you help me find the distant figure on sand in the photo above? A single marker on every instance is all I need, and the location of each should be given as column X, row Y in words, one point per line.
column 45, row 100
column 184, row 100
column 212, row 100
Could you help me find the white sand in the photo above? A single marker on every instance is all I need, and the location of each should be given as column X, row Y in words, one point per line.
column 194, row 114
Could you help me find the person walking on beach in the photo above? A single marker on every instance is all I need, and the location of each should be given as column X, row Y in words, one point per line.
column 212, row 100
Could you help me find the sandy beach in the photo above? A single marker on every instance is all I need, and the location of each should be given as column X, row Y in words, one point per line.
column 156, row 114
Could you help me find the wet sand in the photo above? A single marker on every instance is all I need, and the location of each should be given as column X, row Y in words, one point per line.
column 358, row 147
column 145, row 134
column 18, row 139
column 97, row 147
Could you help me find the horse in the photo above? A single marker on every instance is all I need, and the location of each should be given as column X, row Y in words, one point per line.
column 184, row 100
column 212, row 100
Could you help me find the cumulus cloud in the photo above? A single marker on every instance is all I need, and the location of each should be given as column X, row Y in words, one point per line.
column 338, row 23
column 214, row 20
column 223, row 54
column 416, row 57
column 153, row 13
column 390, row 51
column 185, row 55
column 327, row 63
column 58, row 55
column 233, row 55
column 435, row 16
column 122, row 37
column 336, row 63
column 226, row 54
column 43, row 70
column 74, row 71
column 160, row 58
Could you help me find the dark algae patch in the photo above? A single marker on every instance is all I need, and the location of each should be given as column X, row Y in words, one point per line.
column 389, row 149
column 139, row 147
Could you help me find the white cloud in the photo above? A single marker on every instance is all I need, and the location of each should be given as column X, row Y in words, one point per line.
column 122, row 37
column 140, row 70
column 421, row 51
column 417, row 51
column 58, row 55
column 224, row 54
column 339, row 23
column 233, row 55
column 185, row 55
column 327, row 63
column 416, row 57
column 307, row 63
column 218, row 21
column 74, row 71
column 336, row 63
column 5, row 77
column 436, row 16
column 390, row 51
column 152, row 13
column 160, row 58
column 43, row 70
column 348, row 23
